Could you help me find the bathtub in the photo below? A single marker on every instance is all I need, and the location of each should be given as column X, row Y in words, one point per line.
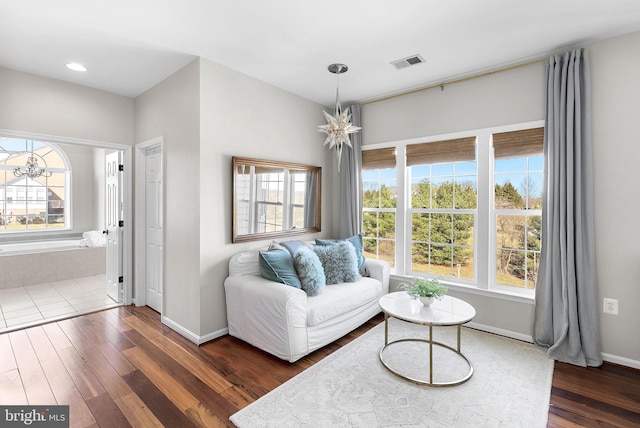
column 30, row 263
column 38, row 247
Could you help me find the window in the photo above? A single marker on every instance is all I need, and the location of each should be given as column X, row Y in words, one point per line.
column 32, row 203
column 379, row 204
column 518, row 206
column 465, row 208
column 444, row 198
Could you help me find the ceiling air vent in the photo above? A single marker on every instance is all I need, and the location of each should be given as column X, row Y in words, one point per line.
column 407, row 62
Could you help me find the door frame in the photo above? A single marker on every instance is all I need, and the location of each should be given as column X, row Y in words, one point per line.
column 140, row 210
column 127, row 212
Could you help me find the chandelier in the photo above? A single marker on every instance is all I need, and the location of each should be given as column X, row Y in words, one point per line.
column 31, row 168
column 339, row 125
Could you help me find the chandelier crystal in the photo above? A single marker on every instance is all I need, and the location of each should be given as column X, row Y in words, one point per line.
column 339, row 126
column 31, row 168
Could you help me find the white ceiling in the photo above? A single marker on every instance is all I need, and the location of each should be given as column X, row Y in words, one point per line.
column 130, row 45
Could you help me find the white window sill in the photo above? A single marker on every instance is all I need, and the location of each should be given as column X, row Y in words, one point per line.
column 514, row 296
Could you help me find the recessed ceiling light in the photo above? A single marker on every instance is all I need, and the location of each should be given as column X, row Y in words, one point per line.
column 76, row 67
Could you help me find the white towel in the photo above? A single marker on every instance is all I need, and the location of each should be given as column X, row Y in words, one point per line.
column 93, row 238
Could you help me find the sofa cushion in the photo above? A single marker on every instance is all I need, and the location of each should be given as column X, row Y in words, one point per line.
column 309, row 270
column 356, row 241
column 338, row 299
column 277, row 265
column 339, row 261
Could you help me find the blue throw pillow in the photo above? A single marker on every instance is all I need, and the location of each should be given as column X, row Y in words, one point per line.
column 293, row 246
column 356, row 241
column 310, row 271
column 339, row 262
column 277, row 265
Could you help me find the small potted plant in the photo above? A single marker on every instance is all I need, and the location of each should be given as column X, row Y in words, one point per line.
column 425, row 289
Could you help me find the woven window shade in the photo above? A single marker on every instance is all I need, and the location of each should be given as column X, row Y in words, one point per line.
column 379, row 158
column 526, row 142
column 458, row 150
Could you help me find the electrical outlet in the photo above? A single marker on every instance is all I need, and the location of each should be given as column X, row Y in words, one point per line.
column 610, row 306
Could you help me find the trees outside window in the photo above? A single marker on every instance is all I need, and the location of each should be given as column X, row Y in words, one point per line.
column 518, row 214
column 443, row 214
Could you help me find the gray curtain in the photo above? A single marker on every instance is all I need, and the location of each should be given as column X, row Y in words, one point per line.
column 566, row 310
column 350, row 209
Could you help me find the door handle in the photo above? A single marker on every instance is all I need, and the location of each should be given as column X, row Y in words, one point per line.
column 105, row 232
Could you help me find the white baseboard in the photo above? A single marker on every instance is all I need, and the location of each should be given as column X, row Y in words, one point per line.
column 513, row 335
column 501, row 332
column 198, row 340
column 621, row 361
column 213, row 335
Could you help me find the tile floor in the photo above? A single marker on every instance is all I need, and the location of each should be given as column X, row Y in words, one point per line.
column 35, row 304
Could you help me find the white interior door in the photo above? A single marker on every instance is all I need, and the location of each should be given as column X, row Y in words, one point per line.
column 113, row 231
column 153, row 227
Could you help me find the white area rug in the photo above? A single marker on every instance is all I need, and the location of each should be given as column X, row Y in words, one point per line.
column 510, row 386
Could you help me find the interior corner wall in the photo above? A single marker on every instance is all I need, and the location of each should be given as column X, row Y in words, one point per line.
column 171, row 110
column 241, row 116
column 516, row 96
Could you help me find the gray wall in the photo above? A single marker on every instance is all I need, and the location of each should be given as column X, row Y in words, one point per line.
column 206, row 114
column 40, row 105
column 87, row 185
column 516, row 96
column 616, row 91
column 171, row 109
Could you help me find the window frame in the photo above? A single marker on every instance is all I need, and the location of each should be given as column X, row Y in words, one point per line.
column 484, row 237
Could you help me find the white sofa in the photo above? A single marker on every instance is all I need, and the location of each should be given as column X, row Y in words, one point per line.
column 284, row 321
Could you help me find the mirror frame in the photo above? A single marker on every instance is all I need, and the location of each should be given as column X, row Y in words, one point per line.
column 236, row 160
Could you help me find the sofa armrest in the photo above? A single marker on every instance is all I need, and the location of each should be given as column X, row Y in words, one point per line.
column 379, row 270
column 268, row 315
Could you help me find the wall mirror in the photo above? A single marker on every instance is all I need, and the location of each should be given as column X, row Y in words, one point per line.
column 274, row 199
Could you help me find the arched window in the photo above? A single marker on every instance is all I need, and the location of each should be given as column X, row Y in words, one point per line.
column 33, row 186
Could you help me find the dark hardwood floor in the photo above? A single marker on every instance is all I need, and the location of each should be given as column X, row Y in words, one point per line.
column 121, row 367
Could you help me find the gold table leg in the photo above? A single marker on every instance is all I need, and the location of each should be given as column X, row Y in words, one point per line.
column 430, row 354
column 431, row 342
column 386, row 329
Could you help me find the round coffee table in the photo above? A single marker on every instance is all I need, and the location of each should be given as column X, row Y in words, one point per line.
column 446, row 312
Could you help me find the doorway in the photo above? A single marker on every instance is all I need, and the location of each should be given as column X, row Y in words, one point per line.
column 57, row 286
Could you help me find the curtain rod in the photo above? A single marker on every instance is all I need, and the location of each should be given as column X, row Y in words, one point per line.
column 462, row 79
